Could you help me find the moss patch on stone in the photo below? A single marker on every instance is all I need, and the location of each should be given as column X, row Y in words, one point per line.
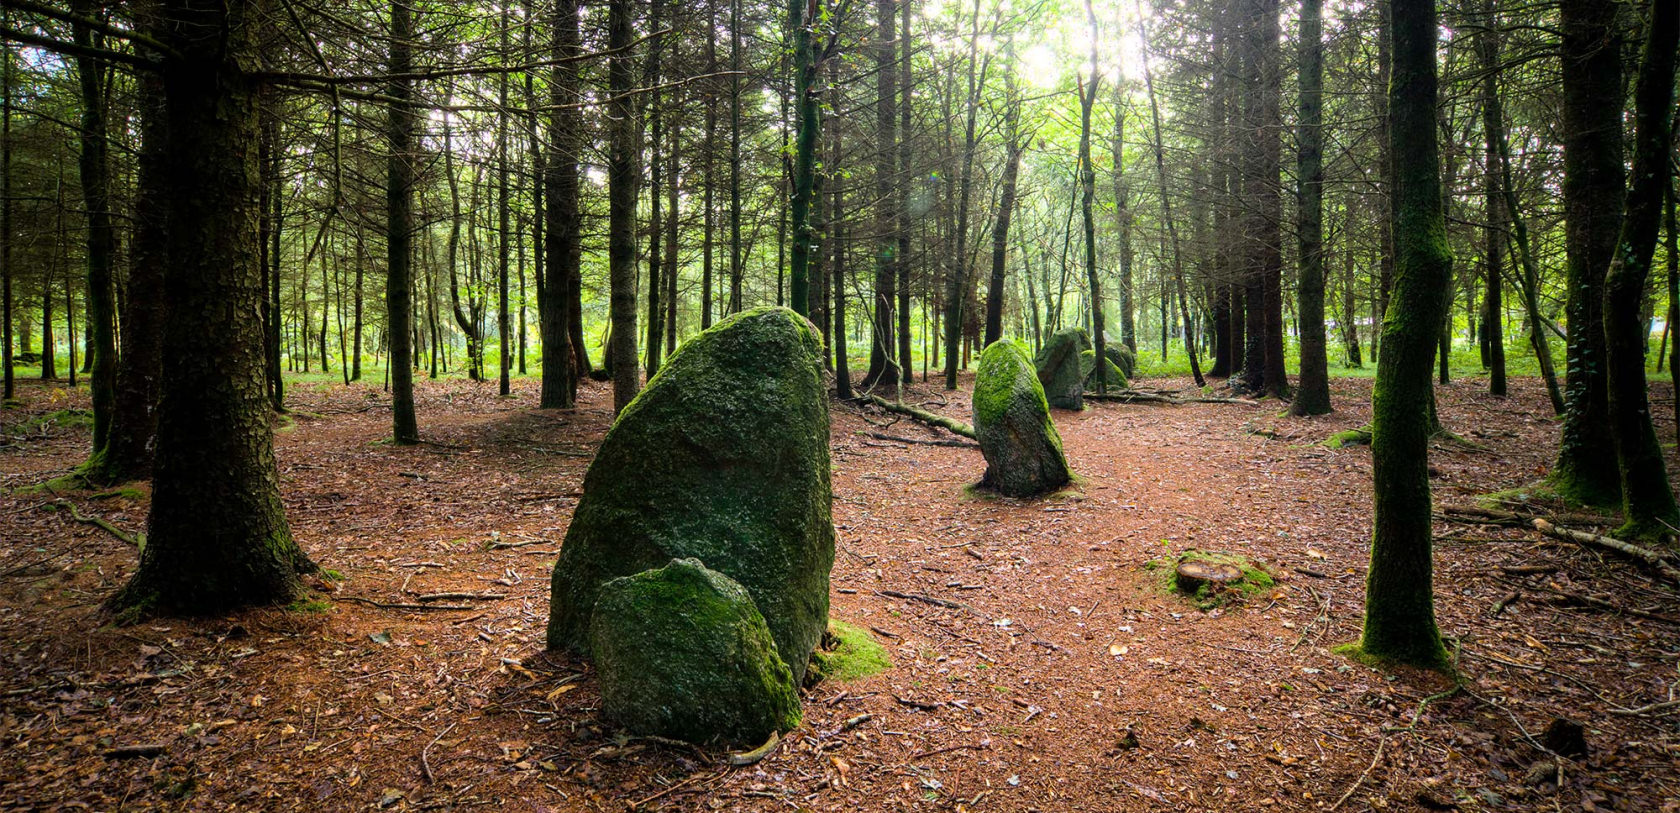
column 1012, row 422
column 683, row 652
column 1117, row 378
column 848, row 653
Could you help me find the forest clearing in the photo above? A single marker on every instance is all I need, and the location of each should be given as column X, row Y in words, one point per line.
column 957, row 405
column 1065, row 678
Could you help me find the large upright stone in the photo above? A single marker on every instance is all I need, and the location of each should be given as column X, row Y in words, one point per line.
column 723, row 458
column 1059, row 369
column 1012, row 422
column 683, row 652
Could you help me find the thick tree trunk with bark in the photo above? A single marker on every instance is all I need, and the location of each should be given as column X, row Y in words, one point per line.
column 217, row 537
column 1648, row 505
column 562, row 252
column 1592, row 197
column 95, row 168
column 1399, row 603
column 801, row 19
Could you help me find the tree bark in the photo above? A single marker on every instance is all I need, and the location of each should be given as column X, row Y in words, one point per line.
column 399, row 202
column 1313, row 396
column 623, row 184
column 218, row 537
column 1399, row 604
column 1592, row 197
column 95, row 170
column 1648, row 505
column 882, row 346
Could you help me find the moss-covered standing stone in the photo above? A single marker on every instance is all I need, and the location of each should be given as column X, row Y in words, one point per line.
column 1117, row 378
column 723, row 458
column 1012, row 422
column 1060, row 372
column 683, row 652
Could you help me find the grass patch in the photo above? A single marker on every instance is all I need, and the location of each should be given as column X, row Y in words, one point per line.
column 318, row 606
column 1352, row 437
column 57, row 419
column 848, row 653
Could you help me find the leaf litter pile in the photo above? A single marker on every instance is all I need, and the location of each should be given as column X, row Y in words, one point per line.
column 1040, row 660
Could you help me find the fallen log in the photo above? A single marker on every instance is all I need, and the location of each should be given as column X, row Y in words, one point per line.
column 961, row 444
column 950, row 424
column 1650, row 558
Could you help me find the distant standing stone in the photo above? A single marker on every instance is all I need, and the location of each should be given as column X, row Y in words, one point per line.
column 1012, row 422
column 1060, row 371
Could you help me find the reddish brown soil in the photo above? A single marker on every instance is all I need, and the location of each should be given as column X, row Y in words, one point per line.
column 1064, row 680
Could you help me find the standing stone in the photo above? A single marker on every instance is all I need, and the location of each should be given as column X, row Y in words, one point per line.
column 723, row 458
column 683, row 652
column 1059, row 369
column 1012, row 422
column 1117, row 378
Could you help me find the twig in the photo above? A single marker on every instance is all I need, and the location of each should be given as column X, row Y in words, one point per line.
column 948, row 749
column 1361, row 780
column 1654, row 707
column 146, row 750
column 426, row 766
column 937, row 602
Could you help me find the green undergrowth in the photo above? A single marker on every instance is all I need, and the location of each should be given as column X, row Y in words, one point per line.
column 60, row 418
column 1351, row 437
column 848, row 653
column 1256, row 578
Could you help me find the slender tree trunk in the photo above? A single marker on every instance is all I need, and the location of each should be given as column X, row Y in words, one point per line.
column 10, row 385
column 1648, row 505
column 1673, row 305
column 995, row 297
column 1493, row 305
column 101, row 238
column 1088, row 196
column 562, row 227
column 623, row 184
column 1399, row 603
column 504, row 233
column 882, row 345
column 808, row 128
column 1313, row 397
column 1592, row 197
column 399, row 201
column 1172, row 231
column 218, row 536
column 1493, row 116
column 735, row 256
column 708, row 217
column 906, row 367
column 656, row 204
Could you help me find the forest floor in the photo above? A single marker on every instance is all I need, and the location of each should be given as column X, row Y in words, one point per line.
column 1051, row 670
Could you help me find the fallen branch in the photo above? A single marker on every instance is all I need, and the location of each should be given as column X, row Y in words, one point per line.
column 937, row 602
column 1361, row 780
column 1651, row 558
column 425, row 765
column 147, row 750
column 951, row 424
column 1654, row 707
column 461, row 597
column 961, row 444
column 399, row 606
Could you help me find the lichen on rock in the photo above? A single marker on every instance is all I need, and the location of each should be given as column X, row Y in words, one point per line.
column 683, row 652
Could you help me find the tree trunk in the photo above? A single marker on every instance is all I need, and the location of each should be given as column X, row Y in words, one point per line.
column 623, row 184
column 1399, row 604
column 1313, row 396
column 808, row 128
column 995, row 297
column 1088, row 196
column 218, row 537
column 560, row 183
column 101, row 239
column 882, row 346
column 6, row 373
column 1493, row 305
column 1648, row 506
column 399, row 202
column 1172, row 231
column 1592, row 197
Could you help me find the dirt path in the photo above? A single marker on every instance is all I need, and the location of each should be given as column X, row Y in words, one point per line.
column 1062, row 679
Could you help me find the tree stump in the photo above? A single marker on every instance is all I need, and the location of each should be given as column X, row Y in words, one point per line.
column 1191, row 574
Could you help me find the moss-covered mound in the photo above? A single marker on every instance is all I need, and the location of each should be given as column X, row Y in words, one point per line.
column 848, row 653
column 1255, row 577
column 1012, row 422
column 724, row 458
column 1059, row 369
column 1117, row 378
column 683, row 652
